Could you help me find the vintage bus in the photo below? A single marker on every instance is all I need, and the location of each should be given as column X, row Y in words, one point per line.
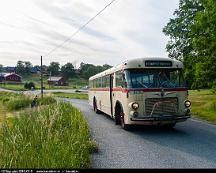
column 144, row 91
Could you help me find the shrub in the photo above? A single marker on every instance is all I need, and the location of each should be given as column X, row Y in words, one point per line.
column 29, row 85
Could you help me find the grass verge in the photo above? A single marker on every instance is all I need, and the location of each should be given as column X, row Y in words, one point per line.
column 15, row 102
column 56, row 136
column 71, row 95
column 203, row 104
column 14, row 87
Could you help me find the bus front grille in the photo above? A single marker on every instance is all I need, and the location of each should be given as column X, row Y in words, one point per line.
column 160, row 106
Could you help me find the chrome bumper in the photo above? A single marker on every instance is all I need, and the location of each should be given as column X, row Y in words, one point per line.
column 162, row 118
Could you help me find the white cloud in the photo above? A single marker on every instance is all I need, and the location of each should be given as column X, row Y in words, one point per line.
column 125, row 30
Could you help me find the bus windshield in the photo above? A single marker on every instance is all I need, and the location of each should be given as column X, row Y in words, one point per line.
column 154, row 78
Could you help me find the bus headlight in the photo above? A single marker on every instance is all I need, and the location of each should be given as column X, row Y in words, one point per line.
column 187, row 103
column 135, row 106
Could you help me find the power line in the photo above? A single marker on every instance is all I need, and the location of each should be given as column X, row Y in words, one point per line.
column 79, row 29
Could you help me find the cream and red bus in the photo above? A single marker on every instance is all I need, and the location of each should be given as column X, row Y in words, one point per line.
column 144, row 91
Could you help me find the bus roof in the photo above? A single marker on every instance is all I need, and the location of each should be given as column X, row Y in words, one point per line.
column 146, row 62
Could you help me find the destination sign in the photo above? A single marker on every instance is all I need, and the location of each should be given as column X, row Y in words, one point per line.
column 158, row 63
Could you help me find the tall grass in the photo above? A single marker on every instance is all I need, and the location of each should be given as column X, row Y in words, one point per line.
column 56, row 136
column 15, row 102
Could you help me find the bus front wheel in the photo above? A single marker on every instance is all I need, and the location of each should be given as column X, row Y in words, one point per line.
column 123, row 125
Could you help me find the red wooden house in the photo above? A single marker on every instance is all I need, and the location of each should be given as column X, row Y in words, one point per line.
column 11, row 78
column 57, row 81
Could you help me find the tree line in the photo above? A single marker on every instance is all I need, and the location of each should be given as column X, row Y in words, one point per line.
column 24, row 68
column 192, row 34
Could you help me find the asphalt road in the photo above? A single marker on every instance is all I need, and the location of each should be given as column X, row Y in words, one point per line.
column 191, row 144
column 48, row 91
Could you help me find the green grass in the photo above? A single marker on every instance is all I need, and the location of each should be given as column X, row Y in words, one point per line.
column 15, row 102
column 56, row 136
column 71, row 95
column 15, row 87
column 74, row 83
column 203, row 104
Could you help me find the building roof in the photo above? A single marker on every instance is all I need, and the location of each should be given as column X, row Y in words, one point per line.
column 54, row 79
column 35, row 69
column 10, row 68
column 8, row 74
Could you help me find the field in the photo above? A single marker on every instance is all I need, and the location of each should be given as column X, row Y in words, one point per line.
column 74, row 83
column 48, row 136
column 203, row 104
column 71, row 95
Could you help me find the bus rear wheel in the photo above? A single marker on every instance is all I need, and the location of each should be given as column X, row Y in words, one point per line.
column 95, row 107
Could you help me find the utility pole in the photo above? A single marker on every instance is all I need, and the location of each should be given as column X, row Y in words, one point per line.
column 41, row 78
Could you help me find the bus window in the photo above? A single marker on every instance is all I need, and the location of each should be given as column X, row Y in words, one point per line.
column 154, row 78
column 118, row 79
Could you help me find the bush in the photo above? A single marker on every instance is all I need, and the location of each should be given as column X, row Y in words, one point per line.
column 29, row 85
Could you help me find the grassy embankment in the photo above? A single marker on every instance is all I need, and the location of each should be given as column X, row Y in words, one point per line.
column 51, row 136
column 74, row 83
column 203, row 104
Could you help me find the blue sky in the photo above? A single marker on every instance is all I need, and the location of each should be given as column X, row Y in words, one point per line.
column 127, row 29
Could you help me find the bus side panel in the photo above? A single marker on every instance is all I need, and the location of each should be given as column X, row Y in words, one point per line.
column 90, row 97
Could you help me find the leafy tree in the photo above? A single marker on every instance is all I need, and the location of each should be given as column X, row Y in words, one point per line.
column 179, row 30
column 20, row 68
column 54, row 68
column 28, row 67
column 106, row 66
column 68, row 70
column 1, row 67
column 91, row 71
column 203, row 34
column 88, row 70
column 23, row 67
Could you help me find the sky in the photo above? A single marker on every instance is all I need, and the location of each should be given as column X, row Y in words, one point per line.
column 127, row 29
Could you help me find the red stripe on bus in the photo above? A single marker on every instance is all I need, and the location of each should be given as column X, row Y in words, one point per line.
column 143, row 90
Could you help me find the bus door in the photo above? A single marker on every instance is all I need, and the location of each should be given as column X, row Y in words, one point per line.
column 111, row 93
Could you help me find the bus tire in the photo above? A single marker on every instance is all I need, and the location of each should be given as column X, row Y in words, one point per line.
column 117, row 114
column 123, row 125
column 95, row 107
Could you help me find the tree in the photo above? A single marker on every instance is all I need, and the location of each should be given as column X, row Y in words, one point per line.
column 91, row 71
column 179, row 30
column 1, row 67
column 88, row 70
column 68, row 70
column 106, row 66
column 204, row 44
column 20, row 68
column 23, row 67
column 54, row 68
column 28, row 67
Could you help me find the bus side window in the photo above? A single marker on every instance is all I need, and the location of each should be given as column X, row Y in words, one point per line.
column 120, row 81
column 124, row 82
